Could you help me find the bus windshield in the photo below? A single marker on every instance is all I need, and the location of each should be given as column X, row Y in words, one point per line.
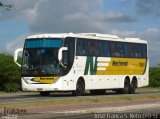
column 40, row 57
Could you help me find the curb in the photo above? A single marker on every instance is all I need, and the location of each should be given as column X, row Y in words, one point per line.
column 65, row 113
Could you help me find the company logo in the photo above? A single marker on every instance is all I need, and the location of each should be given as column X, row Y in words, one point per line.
column 114, row 66
column 94, row 64
column 47, row 80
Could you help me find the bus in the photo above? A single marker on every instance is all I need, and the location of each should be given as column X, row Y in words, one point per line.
column 79, row 62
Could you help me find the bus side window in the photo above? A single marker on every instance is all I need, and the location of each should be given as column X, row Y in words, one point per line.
column 112, row 50
column 103, row 53
column 126, row 50
column 84, row 47
column 90, row 49
column 131, row 51
column 115, row 49
column 137, row 51
column 81, row 47
column 121, row 49
column 105, row 49
column 69, row 54
column 144, row 51
column 93, row 48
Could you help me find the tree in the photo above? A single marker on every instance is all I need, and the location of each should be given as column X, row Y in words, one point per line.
column 154, row 76
column 9, row 74
column 7, row 7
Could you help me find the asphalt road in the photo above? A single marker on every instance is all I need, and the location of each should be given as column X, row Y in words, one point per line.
column 57, row 96
column 138, row 114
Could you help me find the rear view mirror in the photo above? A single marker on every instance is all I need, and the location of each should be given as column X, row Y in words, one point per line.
column 60, row 54
column 16, row 56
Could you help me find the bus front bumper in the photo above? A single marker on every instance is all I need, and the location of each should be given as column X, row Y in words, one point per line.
column 41, row 87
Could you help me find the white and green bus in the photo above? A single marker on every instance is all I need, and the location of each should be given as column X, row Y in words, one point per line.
column 83, row 62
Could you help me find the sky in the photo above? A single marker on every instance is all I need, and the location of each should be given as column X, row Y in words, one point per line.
column 125, row 18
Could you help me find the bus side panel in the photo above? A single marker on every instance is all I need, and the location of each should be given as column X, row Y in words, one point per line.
column 92, row 81
column 145, row 77
column 77, row 71
column 111, row 78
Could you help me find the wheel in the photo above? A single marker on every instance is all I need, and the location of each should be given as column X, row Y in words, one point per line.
column 126, row 88
column 133, row 86
column 45, row 93
column 80, row 88
column 98, row 92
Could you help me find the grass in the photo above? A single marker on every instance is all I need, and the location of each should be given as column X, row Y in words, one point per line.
column 149, row 89
column 91, row 100
column 16, row 93
column 73, row 101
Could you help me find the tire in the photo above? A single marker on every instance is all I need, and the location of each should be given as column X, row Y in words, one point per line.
column 98, row 92
column 133, row 86
column 126, row 88
column 80, row 88
column 45, row 93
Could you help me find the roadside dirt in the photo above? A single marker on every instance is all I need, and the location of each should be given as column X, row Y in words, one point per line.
column 63, row 107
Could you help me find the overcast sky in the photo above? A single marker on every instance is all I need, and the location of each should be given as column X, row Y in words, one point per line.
column 125, row 18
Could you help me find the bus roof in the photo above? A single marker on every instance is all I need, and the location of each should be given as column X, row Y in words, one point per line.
column 96, row 36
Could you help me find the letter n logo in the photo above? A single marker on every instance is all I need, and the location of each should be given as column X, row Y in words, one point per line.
column 91, row 65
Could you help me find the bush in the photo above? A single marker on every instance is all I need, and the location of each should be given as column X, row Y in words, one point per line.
column 154, row 77
column 9, row 73
column 11, row 87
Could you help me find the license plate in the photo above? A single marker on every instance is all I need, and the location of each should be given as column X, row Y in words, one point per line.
column 39, row 89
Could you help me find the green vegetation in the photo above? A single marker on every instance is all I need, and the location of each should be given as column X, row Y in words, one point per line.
column 154, row 76
column 10, row 74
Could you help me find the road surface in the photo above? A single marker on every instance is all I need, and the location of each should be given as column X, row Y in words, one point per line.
column 138, row 114
column 55, row 111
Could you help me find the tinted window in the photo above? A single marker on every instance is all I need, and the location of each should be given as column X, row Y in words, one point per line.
column 69, row 54
column 118, row 49
column 137, row 50
column 82, row 45
column 43, row 43
column 92, row 48
column 103, row 48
